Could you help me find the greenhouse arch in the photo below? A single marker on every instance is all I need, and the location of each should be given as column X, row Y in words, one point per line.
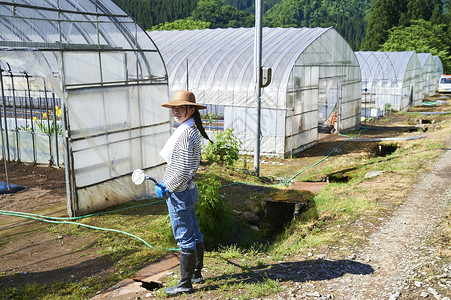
column 429, row 68
column 315, row 75
column 82, row 85
column 390, row 80
column 438, row 67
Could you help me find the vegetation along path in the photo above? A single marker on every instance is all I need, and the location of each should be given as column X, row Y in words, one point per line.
column 396, row 263
column 400, row 247
column 399, row 251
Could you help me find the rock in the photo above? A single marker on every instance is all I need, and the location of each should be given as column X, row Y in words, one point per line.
column 433, row 291
column 251, row 218
column 373, row 174
column 314, row 294
column 253, row 207
column 237, row 212
column 255, row 228
column 395, row 296
column 424, row 295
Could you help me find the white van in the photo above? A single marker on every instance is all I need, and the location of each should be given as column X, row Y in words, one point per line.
column 444, row 85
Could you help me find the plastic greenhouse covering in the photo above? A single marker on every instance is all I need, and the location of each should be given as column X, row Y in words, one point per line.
column 429, row 68
column 82, row 85
column 438, row 67
column 315, row 74
column 390, row 80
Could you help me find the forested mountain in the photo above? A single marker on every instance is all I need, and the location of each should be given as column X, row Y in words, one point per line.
column 406, row 25
column 248, row 5
column 386, row 14
column 153, row 12
column 365, row 24
column 346, row 16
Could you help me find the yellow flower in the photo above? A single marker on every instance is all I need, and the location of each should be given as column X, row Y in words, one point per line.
column 44, row 115
column 58, row 111
column 35, row 119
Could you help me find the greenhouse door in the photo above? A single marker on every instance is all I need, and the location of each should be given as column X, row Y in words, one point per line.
column 339, row 107
column 411, row 96
column 330, row 99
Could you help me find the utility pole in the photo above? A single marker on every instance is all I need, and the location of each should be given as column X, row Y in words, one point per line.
column 257, row 68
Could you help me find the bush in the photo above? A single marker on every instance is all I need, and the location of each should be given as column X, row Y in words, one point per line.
column 225, row 148
column 214, row 214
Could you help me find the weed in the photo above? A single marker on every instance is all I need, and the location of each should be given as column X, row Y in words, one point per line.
column 267, row 287
column 227, row 270
column 260, row 263
column 231, row 252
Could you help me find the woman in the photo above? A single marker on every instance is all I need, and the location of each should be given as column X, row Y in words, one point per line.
column 182, row 154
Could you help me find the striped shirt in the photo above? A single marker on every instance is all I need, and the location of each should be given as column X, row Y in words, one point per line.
column 185, row 160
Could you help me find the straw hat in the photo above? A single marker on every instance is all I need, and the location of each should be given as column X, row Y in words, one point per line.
column 183, row 97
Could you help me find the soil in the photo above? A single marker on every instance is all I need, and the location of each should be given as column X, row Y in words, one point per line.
column 35, row 255
column 399, row 261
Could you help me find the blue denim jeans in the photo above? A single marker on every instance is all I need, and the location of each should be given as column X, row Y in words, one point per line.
column 183, row 219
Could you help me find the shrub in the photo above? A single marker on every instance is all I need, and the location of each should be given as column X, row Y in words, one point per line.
column 225, row 148
column 214, row 214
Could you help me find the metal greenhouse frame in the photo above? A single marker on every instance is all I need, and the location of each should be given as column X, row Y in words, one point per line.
column 81, row 86
column 315, row 79
column 390, row 80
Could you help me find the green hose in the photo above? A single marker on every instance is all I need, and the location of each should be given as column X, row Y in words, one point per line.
column 333, row 150
column 59, row 220
column 85, row 216
column 73, row 223
column 62, row 220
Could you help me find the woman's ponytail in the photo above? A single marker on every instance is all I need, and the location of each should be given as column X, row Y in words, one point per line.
column 200, row 127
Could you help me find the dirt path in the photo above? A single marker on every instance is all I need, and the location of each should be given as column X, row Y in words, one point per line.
column 402, row 243
column 397, row 256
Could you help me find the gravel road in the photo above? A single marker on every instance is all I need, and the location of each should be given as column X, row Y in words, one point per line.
column 400, row 260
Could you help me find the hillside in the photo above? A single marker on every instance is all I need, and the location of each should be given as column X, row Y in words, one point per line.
column 347, row 16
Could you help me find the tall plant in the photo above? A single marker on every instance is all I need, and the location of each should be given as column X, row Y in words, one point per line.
column 225, row 148
column 214, row 214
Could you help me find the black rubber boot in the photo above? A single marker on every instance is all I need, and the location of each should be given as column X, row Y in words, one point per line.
column 187, row 260
column 197, row 275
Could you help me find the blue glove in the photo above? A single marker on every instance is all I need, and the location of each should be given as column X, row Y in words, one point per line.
column 160, row 190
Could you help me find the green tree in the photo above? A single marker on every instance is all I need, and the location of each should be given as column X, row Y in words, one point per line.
column 423, row 37
column 221, row 15
column 422, row 9
column 152, row 12
column 347, row 16
column 437, row 15
column 185, row 24
column 384, row 14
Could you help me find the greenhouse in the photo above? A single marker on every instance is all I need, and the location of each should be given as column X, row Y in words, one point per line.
column 81, row 86
column 429, row 69
column 390, row 80
column 438, row 67
column 315, row 80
